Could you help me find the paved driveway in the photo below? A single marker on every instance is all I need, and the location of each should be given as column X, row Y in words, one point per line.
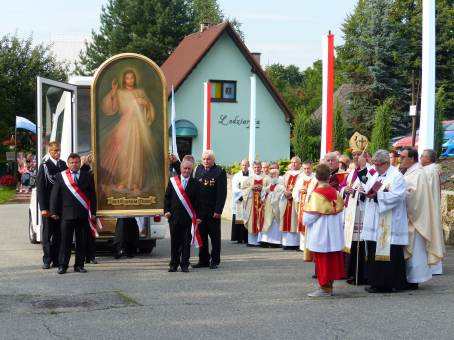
column 256, row 293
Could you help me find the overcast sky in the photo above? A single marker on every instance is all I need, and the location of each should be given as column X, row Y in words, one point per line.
column 285, row 31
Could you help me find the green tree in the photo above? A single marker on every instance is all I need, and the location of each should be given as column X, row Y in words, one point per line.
column 21, row 61
column 305, row 139
column 289, row 82
column 381, row 133
column 153, row 28
column 371, row 58
column 440, row 112
column 339, row 132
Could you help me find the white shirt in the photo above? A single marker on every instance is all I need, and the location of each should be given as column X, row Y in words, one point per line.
column 55, row 161
column 184, row 181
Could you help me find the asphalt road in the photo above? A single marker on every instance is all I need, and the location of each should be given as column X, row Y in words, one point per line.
column 256, row 293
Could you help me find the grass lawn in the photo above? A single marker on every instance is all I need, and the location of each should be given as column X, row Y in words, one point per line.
column 6, row 193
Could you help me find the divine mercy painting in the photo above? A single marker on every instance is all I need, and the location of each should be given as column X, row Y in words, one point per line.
column 130, row 136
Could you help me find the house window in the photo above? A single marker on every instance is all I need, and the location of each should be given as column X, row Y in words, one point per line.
column 223, row 90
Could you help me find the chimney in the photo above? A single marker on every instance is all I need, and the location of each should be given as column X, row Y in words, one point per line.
column 256, row 56
column 204, row 26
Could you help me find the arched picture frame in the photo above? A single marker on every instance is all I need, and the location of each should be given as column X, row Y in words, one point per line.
column 130, row 136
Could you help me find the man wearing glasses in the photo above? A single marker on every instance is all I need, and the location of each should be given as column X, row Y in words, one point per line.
column 385, row 227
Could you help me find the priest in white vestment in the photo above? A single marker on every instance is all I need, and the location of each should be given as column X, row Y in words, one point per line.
column 354, row 203
column 300, row 195
column 385, row 227
column 289, row 215
column 271, row 235
column 433, row 173
column 253, row 191
column 325, row 238
column 239, row 231
column 425, row 241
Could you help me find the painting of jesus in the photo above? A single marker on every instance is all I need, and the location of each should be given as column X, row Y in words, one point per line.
column 130, row 136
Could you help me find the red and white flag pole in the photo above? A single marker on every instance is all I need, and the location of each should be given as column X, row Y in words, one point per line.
column 207, row 116
column 327, row 94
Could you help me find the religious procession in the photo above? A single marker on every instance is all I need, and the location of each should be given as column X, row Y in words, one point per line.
column 370, row 220
column 220, row 168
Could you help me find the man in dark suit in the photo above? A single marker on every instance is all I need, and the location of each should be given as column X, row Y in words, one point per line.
column 50, row 235
column 74, row 216
column 179, row 219
column 90, row 249
column 213, row 183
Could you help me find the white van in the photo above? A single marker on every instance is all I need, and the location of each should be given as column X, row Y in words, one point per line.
column 63, row 115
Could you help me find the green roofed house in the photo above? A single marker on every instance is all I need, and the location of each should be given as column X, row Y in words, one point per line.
column 218, row 54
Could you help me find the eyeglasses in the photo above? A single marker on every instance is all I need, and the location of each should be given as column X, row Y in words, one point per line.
column 380, row 164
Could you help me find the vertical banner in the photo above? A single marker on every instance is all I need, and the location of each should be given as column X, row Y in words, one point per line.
column 327, row 94
column 174, row 133
column 427, row 121
column 252, row 121
column 207, row 116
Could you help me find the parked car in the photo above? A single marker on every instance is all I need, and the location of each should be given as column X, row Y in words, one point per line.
column 406, row 141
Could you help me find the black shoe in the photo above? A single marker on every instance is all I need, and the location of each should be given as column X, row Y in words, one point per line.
column 375, row 290
column 130, row 255
column 185, row 269
column 172, row 269
column 119, row 254
column 214, row 266
column 46, row 266
column 80, row 269
column 412, row 286
column 61, row 270
column 314, row 276
column 94, row 261
column 200, row 265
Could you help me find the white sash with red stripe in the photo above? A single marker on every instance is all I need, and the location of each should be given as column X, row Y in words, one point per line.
column 184, row 199
column 80, row 196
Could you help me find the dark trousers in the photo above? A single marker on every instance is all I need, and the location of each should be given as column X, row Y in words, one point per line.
column 126, row 235
column 210, row 227
column 50, row 240
column 239, row 231
column 180, row 243
column 386, row 275
column 90, row 251
column 68, row 228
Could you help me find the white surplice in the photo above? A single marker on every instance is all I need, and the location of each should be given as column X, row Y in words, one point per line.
column 237, row 206
column 393, row 200
column 326, row 232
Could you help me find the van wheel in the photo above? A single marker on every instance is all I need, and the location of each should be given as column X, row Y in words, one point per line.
column 31, row 233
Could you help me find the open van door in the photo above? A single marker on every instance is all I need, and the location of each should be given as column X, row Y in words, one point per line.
column 56, row 108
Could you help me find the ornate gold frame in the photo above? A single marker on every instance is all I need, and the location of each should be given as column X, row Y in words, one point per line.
column 101, row 68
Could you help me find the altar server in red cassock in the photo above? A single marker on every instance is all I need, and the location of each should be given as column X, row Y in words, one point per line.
column 325, row 237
